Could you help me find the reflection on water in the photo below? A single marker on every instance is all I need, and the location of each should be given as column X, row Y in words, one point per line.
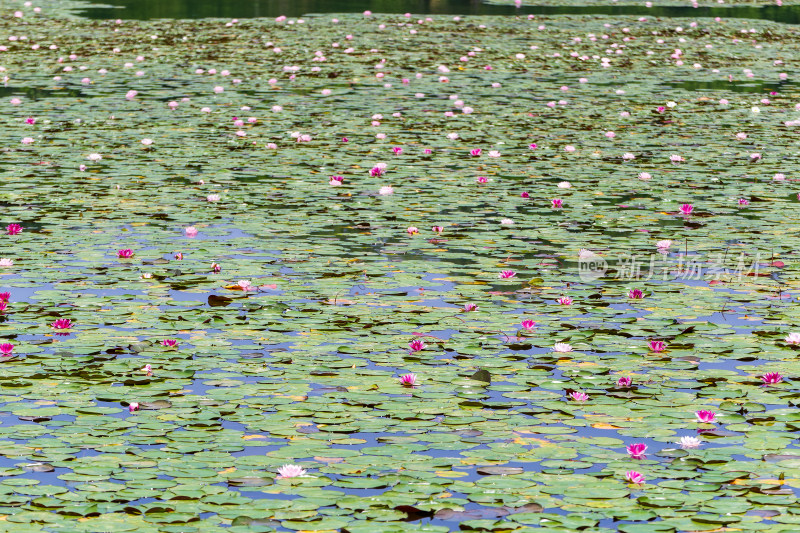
column 195, row 9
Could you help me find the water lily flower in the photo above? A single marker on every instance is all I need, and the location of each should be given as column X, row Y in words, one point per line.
column 245, row 285
column 562, row 347
column 213, row 198
column 771, row 378
column 635, row 294
column 657, row 346
column 743, row 201
column 533, row 146
column 437, row 229
column 6, row 349
column 133, row 406
column 335, row 181
column 417, row 345
column 5, row 262
column 644, row 176
column 637, row 450
column 178, row 256
column 686, row 209
column 94, row 157
column 675, row 158
column 470, row 307
column 525, row 194
column 690, row 442
column 624, row 382
column 191, row 231
column 147, row 369
column 13, row 229
column 506, row 222
column 62, row 323
column 412, row 230
column 169, row 343
column 579, row 396
column 528, row 325
column 564, row 185
column 634, row 477
column 475, row 152
column 290, row 471
column 706, row 417
column 556, row 203
column 377, row 171
column 482, row 179
column 565, row 300
column 5, row 296
column 125, row 253
column 506, row 274
column 216, row 268
column 663, row 245
column 397, row 150
column 408, row 380
column 793, row 338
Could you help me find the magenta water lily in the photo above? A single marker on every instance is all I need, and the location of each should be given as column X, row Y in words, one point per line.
column 408, row 380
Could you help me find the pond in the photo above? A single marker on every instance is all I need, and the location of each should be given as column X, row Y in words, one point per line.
column 475, row 270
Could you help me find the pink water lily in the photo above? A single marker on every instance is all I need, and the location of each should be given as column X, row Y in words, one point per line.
column 657, row 346
column 133, row 406
column 417, row 345
column 579, row 396
column 475, row 152
column 634, row 477
column 470, row 307
column 565, row 300
column 412, row 230
column 687, row 209
column 624, row 382
column 290, row 471
column 556, row 203
column 637, row 450
column 528, row 324
column 5, row 296
column 506, row 274
column 705, row 416
column 408, row 380
column 13, row 229
column 126, row 253
column 772, row 378
column 437, row 229
column 147, row 369
column 635, row 294
column 169, row 343
column 62, row 323
column 6, row 349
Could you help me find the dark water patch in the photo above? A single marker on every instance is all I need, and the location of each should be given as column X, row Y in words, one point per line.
column 197, row 9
